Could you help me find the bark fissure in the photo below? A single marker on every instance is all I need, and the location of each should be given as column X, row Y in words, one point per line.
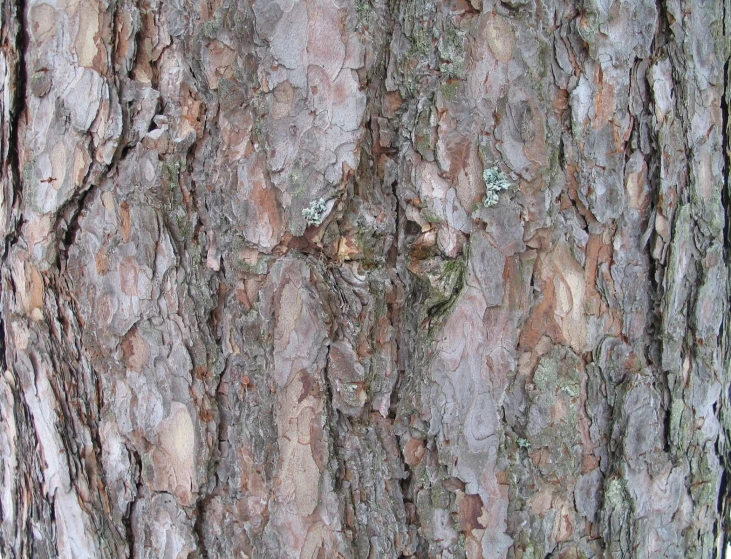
column 15, row 20
column 726, row 146
column 724, row 495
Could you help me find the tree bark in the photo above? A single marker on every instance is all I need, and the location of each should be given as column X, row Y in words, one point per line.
column 364, row 279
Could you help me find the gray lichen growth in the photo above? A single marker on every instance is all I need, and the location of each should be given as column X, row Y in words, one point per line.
column 451, row 51
column 495, row 181
column 315, row 213
column 363, row 11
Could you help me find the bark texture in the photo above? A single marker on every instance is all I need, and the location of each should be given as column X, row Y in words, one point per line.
column 501, row 331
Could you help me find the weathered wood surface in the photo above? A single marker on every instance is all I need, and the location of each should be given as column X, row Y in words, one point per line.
column 434, row 370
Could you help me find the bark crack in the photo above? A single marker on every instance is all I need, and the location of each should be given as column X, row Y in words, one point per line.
column 724, row 493
column 17, row 44
column 14, row 42
column 725, row 144
column 127, row 518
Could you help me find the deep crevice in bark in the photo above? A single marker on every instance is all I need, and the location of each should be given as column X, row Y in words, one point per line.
column 67, row 231
column 722, row 445
column 726, row 155
column 199, row 526
column 127, row 519
column 18, row 96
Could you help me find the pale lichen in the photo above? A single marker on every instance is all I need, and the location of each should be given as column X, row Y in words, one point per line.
column 363, row 11
column 451, row 51
column 495, row 181
column 315, row 213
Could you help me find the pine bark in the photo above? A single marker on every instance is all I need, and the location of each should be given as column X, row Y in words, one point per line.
column 364, row 279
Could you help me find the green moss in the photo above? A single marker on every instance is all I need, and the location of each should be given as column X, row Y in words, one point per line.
column 423, row 145
column 195, row 253
column 616, row 492
column 361, row 231
column 28, row 172
column 171, row 168
column 557, row 381
column 420, row 41
column 546, row 375
column 440, row 496
column 461, row 543
column 363, row 11
column 679, row 432
column 32, row 186
column 450, row 89
column 259, row 269
column 445, row 280
column 572, row 389
column 430, row 216
column 297, row 179
column 185, row 226
column 210, row 28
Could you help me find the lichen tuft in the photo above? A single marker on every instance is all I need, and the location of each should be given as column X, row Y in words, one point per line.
column 315, row 213
column 495, row 181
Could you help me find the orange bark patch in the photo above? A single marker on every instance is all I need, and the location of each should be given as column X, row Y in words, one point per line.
column 515, row 283
column 414, row 452
column 589, row 463
column 535, row 149
column 542, row 502
column 541, row 457
column 458, row 151
column 563, row 524
column 604, row 103
column 125, row 32
column 500, row 38
column 102, row 262
column 561, row 101
column 560, row 314
column 470, row 511
column 597, row 252
column 704, row 175
column 392, row 102
column 129, row 272
column 636, row 183
column 43, row 22
column 86, row 46
column 193, row 110
column 541, row 321
column 265, row 224
column 136, row 350
column 125, row 218
column 219, row 60
column 348, row 248
column 32, row 293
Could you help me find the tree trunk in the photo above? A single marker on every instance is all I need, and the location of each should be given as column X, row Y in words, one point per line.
column 364, row 279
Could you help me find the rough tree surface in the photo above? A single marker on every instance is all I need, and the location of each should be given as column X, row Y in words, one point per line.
column 499, row 328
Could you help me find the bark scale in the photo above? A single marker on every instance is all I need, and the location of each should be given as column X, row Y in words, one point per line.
column 504, row 336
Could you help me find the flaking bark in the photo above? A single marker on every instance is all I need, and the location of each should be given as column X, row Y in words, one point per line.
column 406, row 278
